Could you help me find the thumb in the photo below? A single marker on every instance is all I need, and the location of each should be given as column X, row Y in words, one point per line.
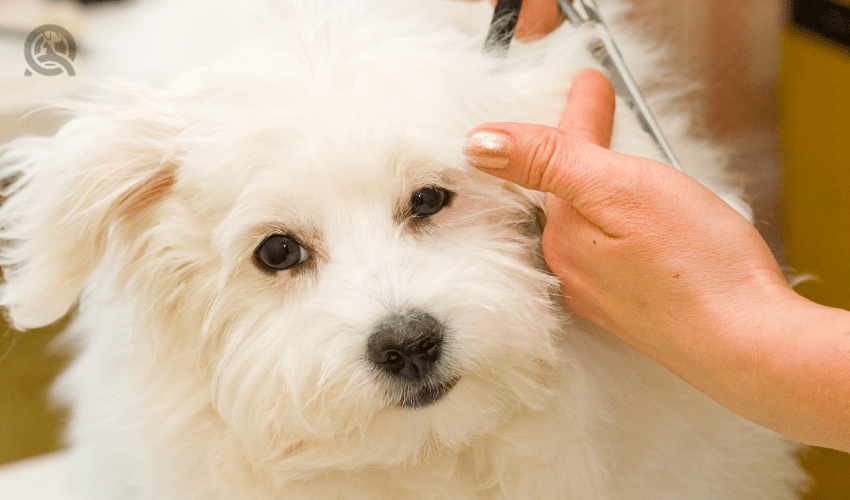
column 589, row 114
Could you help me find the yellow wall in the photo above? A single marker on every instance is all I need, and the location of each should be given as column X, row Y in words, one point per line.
column 29, row 424
column 815, row 117
column 815, row 125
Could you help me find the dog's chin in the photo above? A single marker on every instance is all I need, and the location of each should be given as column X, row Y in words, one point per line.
column 426, row 395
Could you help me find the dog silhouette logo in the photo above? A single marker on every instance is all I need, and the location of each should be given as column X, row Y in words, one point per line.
column 49, row 51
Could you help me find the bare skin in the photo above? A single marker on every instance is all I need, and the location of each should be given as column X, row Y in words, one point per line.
column 536, row 18
column 660, row 261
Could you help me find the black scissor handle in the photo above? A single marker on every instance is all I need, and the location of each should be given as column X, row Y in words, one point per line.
column 502, row 26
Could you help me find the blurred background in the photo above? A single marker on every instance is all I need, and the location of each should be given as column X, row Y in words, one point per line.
column 776, row 75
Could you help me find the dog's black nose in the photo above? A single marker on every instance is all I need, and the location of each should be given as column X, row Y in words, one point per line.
column 407, row 345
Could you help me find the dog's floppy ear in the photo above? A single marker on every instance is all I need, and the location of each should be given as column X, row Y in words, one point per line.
column 65, row 197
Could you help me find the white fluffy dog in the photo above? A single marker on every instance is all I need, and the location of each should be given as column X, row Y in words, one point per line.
column 293, row 286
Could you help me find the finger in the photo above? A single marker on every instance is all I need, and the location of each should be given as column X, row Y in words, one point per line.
column 537, row 18
column 590, row 109
column 537, row 157
column 597, row 182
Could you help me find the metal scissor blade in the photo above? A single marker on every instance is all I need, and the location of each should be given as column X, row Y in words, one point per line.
column 572, row 14
column 605, row 50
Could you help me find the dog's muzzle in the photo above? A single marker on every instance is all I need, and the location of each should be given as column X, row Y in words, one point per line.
column 407, row 348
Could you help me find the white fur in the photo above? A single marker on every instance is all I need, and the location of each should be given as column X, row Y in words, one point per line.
column 201, row 377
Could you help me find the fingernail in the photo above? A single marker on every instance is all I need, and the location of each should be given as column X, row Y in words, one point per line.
column 488, row 149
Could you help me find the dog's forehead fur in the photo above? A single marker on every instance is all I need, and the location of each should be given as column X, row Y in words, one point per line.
column 331, row 132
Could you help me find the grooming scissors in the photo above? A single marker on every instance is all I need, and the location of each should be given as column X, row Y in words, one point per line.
column 583, row 13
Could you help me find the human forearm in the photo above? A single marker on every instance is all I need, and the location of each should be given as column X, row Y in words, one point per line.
column 785, row 366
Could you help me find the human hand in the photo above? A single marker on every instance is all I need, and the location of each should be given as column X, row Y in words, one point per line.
column 641, row 249
column 659, row 260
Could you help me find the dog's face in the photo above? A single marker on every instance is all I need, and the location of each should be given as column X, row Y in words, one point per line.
column 309, row 247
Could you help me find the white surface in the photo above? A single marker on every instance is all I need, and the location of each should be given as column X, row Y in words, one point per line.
column 39, row 478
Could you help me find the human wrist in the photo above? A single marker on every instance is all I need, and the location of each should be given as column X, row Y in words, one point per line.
column 727, row 348
column 802, row 384
column 776, row 360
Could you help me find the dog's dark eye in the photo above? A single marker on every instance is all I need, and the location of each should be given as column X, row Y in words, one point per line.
column 279, row 252
column 428, row 201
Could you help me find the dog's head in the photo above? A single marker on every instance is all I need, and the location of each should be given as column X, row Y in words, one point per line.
column 305, row 242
